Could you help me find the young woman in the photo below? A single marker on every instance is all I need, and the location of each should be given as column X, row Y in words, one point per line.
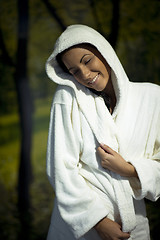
column 103, row 154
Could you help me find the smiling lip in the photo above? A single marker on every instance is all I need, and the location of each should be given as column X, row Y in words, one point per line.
column 94, row 80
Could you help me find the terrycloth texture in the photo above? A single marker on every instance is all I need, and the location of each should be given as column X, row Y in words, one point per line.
column 80, row 121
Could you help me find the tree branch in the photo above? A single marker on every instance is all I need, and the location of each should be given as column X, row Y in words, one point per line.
column 52, row 11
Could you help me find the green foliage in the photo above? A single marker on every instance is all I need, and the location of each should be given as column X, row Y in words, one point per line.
column 139, row 39
column 9, row 153
column 41, row 193
column 8, row 22
column 8, row 99
column 9, row 223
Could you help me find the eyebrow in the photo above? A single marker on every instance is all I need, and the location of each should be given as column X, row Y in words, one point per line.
column 84, row 56
column 80, row 60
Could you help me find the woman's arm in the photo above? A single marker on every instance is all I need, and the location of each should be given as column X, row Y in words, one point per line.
column 80, row 207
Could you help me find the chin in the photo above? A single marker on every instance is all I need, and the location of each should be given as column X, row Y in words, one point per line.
column 99, row 89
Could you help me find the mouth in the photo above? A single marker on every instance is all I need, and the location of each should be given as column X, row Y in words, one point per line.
column 94, row 79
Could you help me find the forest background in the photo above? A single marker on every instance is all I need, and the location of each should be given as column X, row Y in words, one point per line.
column 28, row 30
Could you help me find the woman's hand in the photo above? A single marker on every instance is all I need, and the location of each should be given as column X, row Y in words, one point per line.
column 110, row 230
column 114, row 162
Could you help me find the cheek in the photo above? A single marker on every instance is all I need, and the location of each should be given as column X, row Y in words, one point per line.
column 94, row 67
column 99, row 66
column 79, row 79
column 105, row 69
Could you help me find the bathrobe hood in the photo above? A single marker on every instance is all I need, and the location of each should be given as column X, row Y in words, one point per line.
column 85, row 34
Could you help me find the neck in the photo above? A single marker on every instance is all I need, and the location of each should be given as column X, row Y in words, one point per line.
column 109, row 91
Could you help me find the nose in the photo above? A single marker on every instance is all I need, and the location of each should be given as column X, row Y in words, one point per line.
column 85, row 73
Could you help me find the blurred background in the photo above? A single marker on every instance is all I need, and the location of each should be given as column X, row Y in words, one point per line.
column 28, row 30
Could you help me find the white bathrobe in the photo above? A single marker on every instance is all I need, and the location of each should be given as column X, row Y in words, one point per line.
column 86, row 192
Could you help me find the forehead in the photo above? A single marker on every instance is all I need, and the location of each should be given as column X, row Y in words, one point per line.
column 78, row 51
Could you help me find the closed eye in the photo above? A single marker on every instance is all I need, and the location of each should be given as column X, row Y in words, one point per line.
column 87, row 61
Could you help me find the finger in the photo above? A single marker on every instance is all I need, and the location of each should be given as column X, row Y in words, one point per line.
column 125, row 235
column 101, row 151
column 106, row 148
column 103, row 154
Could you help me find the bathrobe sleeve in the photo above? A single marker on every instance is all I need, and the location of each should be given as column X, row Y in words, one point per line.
column 80, row 207
column 148, row 169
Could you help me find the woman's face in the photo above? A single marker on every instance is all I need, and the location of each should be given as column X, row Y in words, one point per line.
column 87, row 66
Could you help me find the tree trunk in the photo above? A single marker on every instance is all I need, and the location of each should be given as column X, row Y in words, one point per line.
column 25, row 113
column 113, row 37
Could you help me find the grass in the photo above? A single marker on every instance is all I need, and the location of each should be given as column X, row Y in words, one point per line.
column 9, row 149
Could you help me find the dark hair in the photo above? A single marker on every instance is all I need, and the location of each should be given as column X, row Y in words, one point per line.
column 61, row 63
